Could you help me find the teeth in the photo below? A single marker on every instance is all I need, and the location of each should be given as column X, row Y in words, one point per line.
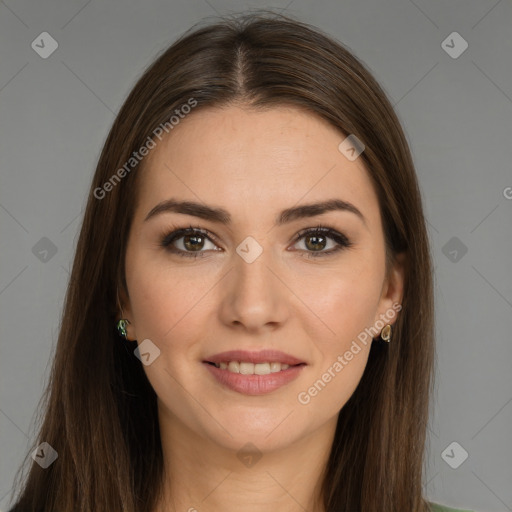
column 262, row 368
column 252, row 368
column 246, row 368
column 234, row 367
column 275, row 367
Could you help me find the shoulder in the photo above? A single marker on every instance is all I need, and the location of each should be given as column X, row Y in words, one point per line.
column 436, row 507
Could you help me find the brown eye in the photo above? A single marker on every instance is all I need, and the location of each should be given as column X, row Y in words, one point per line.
column 193, row 242
column 318, row 239
column 187, row 242
column 315, row 242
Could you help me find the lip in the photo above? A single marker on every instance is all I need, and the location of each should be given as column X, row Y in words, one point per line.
column 254, row 384
column 261, row 356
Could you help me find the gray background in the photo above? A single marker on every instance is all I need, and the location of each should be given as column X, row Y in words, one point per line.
column 457, row 112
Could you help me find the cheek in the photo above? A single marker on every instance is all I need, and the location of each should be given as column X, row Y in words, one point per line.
column 341, row 353
column 344, row 299
column 328, row 391
column 161, row 296
column 352, row 302
column 161, row 306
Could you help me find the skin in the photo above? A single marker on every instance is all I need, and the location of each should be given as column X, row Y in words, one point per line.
column 253, row 164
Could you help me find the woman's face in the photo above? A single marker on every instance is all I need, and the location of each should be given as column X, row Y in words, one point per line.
column 244, row 281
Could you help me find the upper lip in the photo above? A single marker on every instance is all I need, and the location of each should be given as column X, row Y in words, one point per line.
column 261, row 356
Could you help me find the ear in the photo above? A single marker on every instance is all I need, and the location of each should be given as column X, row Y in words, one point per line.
column 124, row 311
column 393, row 288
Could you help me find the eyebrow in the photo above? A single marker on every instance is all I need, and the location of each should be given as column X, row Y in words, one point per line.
column 222, row 216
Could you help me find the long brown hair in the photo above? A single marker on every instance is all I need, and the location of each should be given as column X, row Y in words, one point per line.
column 100, row 411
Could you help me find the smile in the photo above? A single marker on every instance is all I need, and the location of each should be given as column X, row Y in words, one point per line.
column 247, row 368
column 243, row 377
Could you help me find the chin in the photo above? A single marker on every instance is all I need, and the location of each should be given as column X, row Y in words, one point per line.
column 255, row 439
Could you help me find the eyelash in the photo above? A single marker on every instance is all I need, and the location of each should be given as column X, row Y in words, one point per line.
column 342, row 241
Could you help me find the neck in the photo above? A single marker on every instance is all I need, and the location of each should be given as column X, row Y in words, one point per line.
column 203, row 476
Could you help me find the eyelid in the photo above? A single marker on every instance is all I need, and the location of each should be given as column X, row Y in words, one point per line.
column 320, row 228
column 340, row 239
column 175, row 233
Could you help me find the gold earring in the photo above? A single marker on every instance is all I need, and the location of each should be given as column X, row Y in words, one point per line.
column 385, row 334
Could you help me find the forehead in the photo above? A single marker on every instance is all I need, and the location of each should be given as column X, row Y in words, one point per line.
column 248, row 161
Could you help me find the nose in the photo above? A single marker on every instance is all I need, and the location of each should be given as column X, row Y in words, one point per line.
column 254, row 296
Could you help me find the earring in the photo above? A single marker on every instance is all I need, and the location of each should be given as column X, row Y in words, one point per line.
column 121, row 327
column 385, row 334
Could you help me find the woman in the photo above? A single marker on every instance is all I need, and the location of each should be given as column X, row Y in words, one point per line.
column 249, row 319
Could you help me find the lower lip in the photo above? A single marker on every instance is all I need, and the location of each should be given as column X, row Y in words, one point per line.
column 255, row 384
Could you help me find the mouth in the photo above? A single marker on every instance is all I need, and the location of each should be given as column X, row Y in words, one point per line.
column 248, row 368
column 254, row 373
